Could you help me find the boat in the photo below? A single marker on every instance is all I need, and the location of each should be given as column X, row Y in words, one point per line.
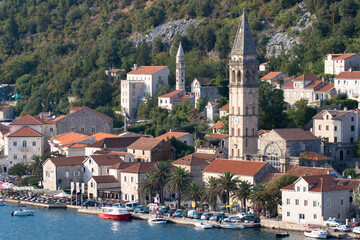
column 2, row 202
column 203, row 225
column 114, row 213
column 232, row 226
column 281, row 235
column 23, row 212
column 316, row 234
column 157, row 220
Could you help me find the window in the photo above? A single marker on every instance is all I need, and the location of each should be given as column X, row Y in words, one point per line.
column 34, row 144
column 352, row 128
column 351, row 140
column 327, row 117
column 132, row 197
column 92, row 130
column 335, row 128
column 328, row 203
column 124, row 178
column 76, row 173
column 352, row 119
column 132, row 179
column 51, row 129
column 341, row 202
column 126, row 197
column 24, row 144
column 72, row 120
column 288, row 214
column 301, row 216
column 304, row 189
column 319, row 127
column 327, row 127
column 15, row 157
column 15, row 144
column 143, row 152
column 298, row 189
column 67, row 174
column 305, row 202
column 134, row 151
column 315, row 216
column 314, row 204
column 89, row 161
column 296, row 201
column 335, row 139
column 92, row 184
column 24, row 157
column 288, row 201
column 92, row 170
column 82, row 120
column 82, row 130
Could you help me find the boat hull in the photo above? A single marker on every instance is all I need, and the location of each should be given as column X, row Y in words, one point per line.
column 120, row 217
column 317, row 235
column 23, row 213
column 203, row 226
column 157, row 221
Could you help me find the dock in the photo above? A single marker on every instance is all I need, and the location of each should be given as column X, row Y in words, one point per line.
column 43, row 205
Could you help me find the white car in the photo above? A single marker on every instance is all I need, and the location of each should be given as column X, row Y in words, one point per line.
column 356, row 230
column 231, row 219
column 241, row 215
column 342, row 228
column 333, row 222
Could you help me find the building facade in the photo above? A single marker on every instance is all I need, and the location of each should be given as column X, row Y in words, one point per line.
column 348, row 83
column 180, row 69
column 202, row 90
column 337, row 63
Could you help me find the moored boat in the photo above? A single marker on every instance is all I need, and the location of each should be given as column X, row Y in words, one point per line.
column 114, row 213
column 203, row 225
column 316, row 234
column 2, row 202
column 232, row 226
column 281, row 235
column 157, row 220
column 23, row 212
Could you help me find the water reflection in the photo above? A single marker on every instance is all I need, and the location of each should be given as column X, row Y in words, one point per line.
column 115, row 226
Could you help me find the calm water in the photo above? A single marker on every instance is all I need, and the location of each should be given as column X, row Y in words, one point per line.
column 68, row 224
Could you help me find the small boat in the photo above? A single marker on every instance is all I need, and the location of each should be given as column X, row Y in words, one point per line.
column 281, row 235
column 316, row 234
column 2, row 202
column 232, row 226
column 114, row 213
column 23, row 212
column 157, row 220
column 203, row 225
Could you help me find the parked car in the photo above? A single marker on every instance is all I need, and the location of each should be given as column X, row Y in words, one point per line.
column 77, row 202
column 145, row 210
column 331, row 222
column 171, row 212
column 197, row 215
column 342, row 228
column 251, row 218
column 178, row 212
column 138, row 208
column 355, row 224
column 356, row 230
column 216, row 217
column 91, row 203
column 206, row 216
column 241, row 215
column 184, row 213
column 231, row 219
column 191, row 213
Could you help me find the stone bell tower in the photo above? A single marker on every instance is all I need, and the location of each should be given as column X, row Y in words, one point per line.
column 243, row 94
column 180, row 69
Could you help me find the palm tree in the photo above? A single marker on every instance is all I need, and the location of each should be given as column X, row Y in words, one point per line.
column 227, row 183
column 212, row 191
column 179, row 179
column 194, row 192
column 259, row 196
column 146, row 186
column 159, row 176
column 243, row 192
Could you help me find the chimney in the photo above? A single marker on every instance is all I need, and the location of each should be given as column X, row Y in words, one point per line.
column 135, row 66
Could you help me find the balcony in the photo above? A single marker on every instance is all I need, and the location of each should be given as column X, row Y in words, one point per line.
column 24, row 149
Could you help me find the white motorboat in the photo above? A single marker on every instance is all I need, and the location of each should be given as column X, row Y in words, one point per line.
column 2, row 202
column 23, row 212
column 157, row 220
column 232, row 226
column 203, row 225
column 316, row 234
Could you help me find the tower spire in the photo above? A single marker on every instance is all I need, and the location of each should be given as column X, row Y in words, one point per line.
column 180, row 69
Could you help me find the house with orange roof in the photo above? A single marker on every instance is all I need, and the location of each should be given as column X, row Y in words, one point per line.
column 337, row 63
column 119, row 144
column 185, row 137
column 305, row 86
column 70, row 143
column 349, row 83
column 282, row 147
column 224, row 111
column 202, row 89
column 177, row 97
column 218, row 126
column 314, row 199
column 103, row 187
column 84, row 120
column 115, row 73
column 141, row 82
column 273, row 77
column 212, row 111
column 263, row 67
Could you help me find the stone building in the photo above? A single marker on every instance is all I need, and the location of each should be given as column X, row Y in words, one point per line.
column 273, row 77
column 202, row 90
column 243, row 93
column 337, row 63
column 98, row 186
column 282, row 147
column 119, row 144
column 98, row 165
column 212, row 111
column 349, row 83
column 58, row 173
column 180, row 69
column 177, row 97
column 84, row 120
column 141, row 82
column 224, row 111
column 6, row 113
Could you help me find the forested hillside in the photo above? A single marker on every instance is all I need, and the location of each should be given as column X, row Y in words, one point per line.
column 58, row 48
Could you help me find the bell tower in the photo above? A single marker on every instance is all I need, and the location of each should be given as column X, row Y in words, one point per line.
column 243, row 94
column 180, row 69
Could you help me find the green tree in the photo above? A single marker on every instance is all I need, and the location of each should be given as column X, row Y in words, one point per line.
column 182, row 149
column 143, row 56
column 350, row 172
column 12, row 28
column 302, row 113
column 18, row 169
column 228, row 183
column 243, row 192
column 159, row 176
column 99, row 93
column 194, row 192
column 147, row 186
column 212, row 191
column 179, row 179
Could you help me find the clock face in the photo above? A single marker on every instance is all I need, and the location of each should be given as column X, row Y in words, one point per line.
column 235, row 120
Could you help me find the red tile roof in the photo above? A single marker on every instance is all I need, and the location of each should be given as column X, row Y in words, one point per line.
column 59, row 117
column 3, row 108
column 343, row 56
column 196, row 159
column 203, row 81
column 145, row 143
column 295, row 134
column 290, row 84
column 348, row 75
column 75, row 109
column 320, row 183
column 246, row 168
column 105, row 179
column 117, row 143
column 102, row 152
column 106, row 159
column 139, row 168
column 172, row 134
column 114, row 70
column 4, row 129
column 78, row 145
column 348, row 183
column 314, row 84
column 314, row 156
column 25, row 132
column 27, row 120
column 335, row 114
column 216, row 136
column 225, row 107
column 121, row 165
column 218, row 125
column 67, row 161
column 69, row 137
column 326, row 88
column 265, row 63
column 147, row 70
column 308, row 171
column 171, row 94
column 306, row 77
column 100, row 136
column 213, row 103
column 270, row 75
column 271, row 177
column 184, row 97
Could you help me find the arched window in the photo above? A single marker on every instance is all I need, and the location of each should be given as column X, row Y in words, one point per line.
column 238, row 77
column 24, row 143
column 232, row 77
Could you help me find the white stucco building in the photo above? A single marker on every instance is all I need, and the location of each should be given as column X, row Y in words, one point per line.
column 185, row 137
column 337, row 63
column 349, row 83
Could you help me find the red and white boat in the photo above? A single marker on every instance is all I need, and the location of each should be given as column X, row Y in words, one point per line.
column 114, row 213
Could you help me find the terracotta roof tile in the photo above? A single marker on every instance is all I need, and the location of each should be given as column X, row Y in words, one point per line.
column 270, row 75
column 27, row 120
column 290, row 84
column 295, row 134
column 335, row 114
column 102, row 152
column 114, row 70
column 147, row 70
column 69, row 137
column 308, row 171
column 213, row 103
column 306, row 77
column 216, row 136
column 271, row 177
column 67, row 161
column 343, row 56
column 77, row 145
column 172, row 134
column 59, row 117
column 314, row 156
column 225, row 107
column 141, row 167
column 121, row 142
column 4, row 129
column 196, row 159
column 184, row 97
column 320, row 183
column 218, row 125
column 246, row 168
column 3, row 108
column 106, row 159
column 145, row 143
column 348, row 75
column 348, row 183
column 265, row 63
column 75, row 109
column 100, row 136
column 25, row 132
column 314, row 84
column 105, row 179
column 326, row 88
column 203, row 81
column 121, row 165
column 172, row 94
